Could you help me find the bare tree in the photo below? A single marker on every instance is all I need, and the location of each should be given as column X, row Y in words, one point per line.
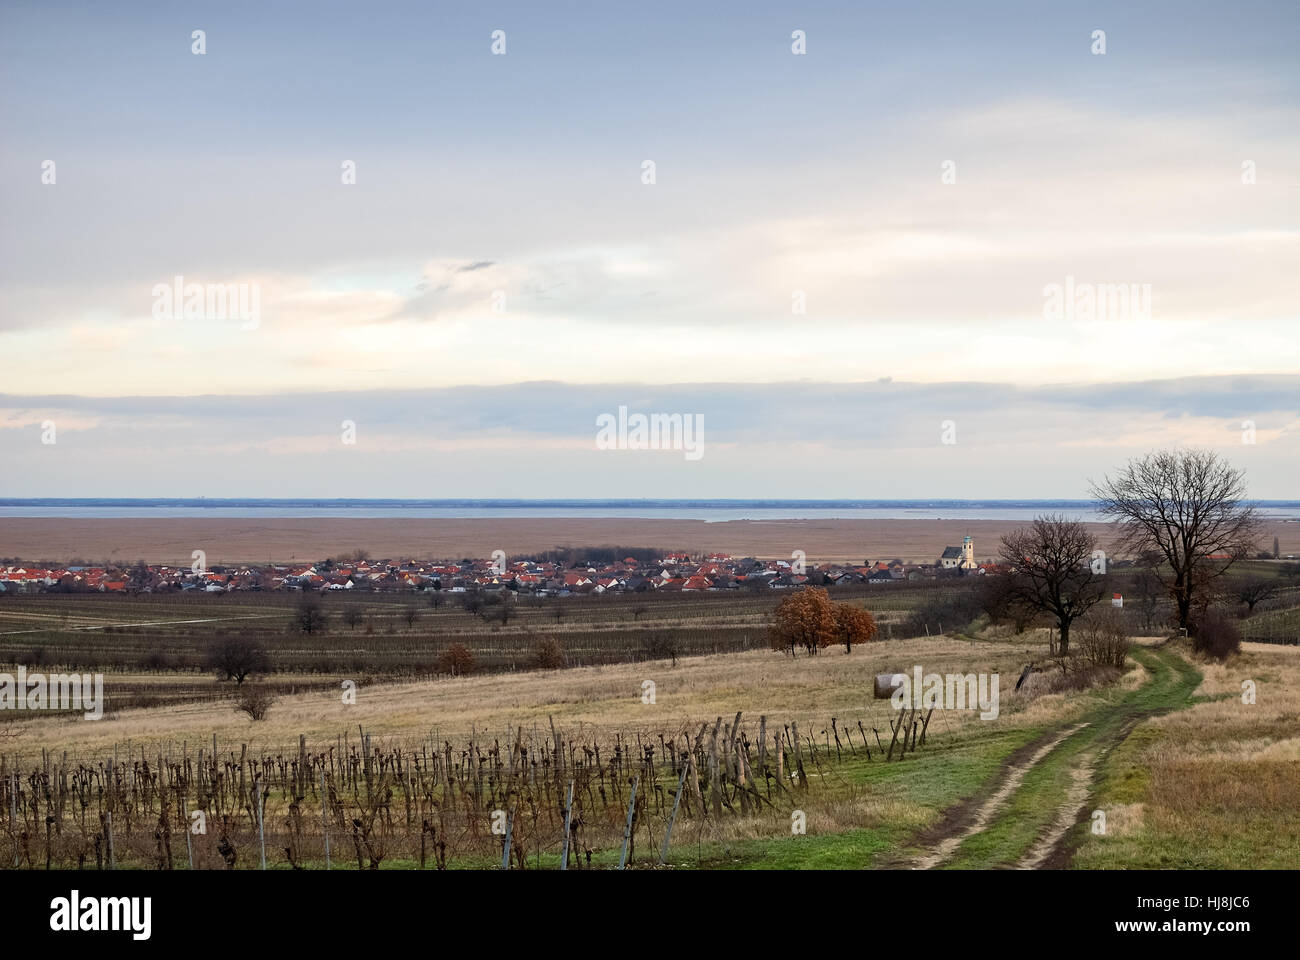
column 505, row 611
column 1103, row 638
column 1187, row 506
column 1051, row 570
column 1253, row 591
column 308, row 616
column 236, row 658
column 1148, row 590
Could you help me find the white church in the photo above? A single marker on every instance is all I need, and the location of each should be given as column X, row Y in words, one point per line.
column 959, row 558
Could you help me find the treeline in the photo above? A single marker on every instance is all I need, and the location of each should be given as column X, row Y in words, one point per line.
column 590, row 556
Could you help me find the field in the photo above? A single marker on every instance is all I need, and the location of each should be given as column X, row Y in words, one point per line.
column 155, row 644
column 416, row 769
column 173, row 540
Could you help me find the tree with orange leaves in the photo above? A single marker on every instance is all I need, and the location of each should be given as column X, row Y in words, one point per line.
column 803, row 619
column 853, row 625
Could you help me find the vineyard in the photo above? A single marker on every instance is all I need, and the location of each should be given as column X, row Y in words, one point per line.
column 153, row 648
column 515, row 763
column 532, row 799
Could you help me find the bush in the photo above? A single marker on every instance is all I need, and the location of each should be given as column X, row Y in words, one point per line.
column 1102, row 638
column 157, row 660
column 661, row 646
column 950, row 612
column 255, row 702
column 1077, row 677
column 548, row 654
column 1216, row 636
column 456, row 660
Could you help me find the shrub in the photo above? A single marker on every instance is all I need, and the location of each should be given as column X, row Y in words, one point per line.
column 661, row 646
column 1216, row 636
column 548, row 654
column 1103, row 638
column 1079, row 677
column 255, row 702
column 456, row 660
column 157, row 660
column 951, row 611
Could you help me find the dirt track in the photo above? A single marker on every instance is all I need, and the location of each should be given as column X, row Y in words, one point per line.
column 1077, row 751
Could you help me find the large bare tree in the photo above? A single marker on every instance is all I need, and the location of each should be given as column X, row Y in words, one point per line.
column 1052, row 571
column 1187, row 506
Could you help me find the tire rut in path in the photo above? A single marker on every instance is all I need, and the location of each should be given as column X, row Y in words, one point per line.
column 1052, row 848
column 966, row 822
column 1068, row 814
column 1053, row 851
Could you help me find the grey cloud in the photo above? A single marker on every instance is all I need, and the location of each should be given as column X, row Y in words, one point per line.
column 834, row 414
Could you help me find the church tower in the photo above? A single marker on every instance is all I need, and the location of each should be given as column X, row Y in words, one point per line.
column 968, row 554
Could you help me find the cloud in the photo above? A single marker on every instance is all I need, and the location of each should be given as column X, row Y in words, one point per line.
column 871, row 439
column 781, row 181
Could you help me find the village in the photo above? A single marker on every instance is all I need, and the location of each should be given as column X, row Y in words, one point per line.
column 671, row 571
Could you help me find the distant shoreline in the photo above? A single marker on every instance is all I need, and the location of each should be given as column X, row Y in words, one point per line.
column 258, row 540
column 706, row 509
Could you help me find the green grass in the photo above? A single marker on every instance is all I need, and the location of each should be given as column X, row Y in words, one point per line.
column 1226, row 813
column 1034, row 805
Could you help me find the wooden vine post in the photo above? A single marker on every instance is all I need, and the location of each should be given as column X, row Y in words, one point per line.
column 627, row 830
column 568, row 822
column 672, row 817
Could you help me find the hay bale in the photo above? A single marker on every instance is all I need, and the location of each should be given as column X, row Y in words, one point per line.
column 887, row 683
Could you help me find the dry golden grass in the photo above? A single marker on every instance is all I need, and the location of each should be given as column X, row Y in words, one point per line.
column 1216, row 784
column 1226, row 729
column 807, row 690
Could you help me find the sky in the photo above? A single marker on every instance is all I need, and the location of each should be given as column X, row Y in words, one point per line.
column 870, row 268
